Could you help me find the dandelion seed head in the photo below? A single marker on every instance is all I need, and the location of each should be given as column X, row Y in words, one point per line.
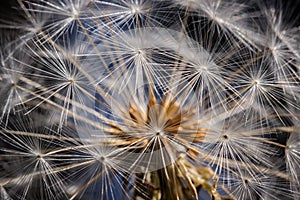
column 141, row 99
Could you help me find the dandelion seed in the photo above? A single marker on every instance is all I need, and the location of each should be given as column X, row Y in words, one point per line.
column 56, row 76
column 138, row 53
column 125, row 14
column 258, row 85
column 30, row 173
column 237, row 144
column 257, row 185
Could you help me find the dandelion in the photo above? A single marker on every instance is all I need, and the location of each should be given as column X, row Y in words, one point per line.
column 193, row 99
